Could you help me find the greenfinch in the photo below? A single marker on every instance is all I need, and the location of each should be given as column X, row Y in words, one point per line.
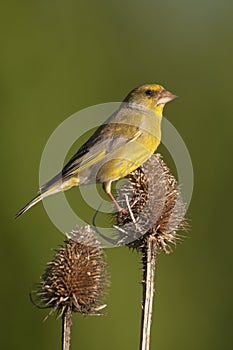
column 118, row 147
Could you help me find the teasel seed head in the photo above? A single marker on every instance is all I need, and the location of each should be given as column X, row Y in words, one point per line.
column 76, row 278
column 156, row 205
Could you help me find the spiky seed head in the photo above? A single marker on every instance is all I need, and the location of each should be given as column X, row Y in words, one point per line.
column 157, row 206
column 76, row 277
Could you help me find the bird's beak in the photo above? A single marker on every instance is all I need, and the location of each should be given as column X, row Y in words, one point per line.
column 165, row 96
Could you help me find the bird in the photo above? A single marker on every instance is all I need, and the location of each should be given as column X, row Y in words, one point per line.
column 119, row 146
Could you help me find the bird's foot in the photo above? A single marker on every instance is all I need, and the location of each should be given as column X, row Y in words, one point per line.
column 121, row 212
column 128, row 210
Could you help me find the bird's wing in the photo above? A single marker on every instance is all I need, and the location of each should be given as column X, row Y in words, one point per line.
column 101, row 145
column 97, row 150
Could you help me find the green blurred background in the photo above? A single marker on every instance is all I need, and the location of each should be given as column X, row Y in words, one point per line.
column 58, row 57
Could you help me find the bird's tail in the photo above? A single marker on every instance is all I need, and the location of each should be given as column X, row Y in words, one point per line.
column 35, row 200
column 38, row 198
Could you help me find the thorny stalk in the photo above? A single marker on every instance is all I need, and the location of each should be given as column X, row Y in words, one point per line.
column 149, row 251
column 66, row 326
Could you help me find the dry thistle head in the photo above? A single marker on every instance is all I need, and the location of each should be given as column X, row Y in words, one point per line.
column 76, row 277
column 156, row 206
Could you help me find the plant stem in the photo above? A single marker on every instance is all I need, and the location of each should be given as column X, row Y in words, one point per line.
column 149, row 251
column 66, row 325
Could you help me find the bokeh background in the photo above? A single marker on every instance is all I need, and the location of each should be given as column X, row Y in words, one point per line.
column 58, row 57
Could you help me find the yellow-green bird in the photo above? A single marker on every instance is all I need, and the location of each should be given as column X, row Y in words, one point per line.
column 118, row 147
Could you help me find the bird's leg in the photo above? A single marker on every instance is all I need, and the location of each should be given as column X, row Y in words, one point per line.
column 115, row 202
column 120, row 210
column 107, row 188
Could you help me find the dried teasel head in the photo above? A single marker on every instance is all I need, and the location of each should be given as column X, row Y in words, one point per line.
column 157, row 209
column 76, row 277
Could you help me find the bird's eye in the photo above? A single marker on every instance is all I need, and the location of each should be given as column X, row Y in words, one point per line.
column 149, row 93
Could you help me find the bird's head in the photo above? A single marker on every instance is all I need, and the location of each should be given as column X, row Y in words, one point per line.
column 151, row 96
